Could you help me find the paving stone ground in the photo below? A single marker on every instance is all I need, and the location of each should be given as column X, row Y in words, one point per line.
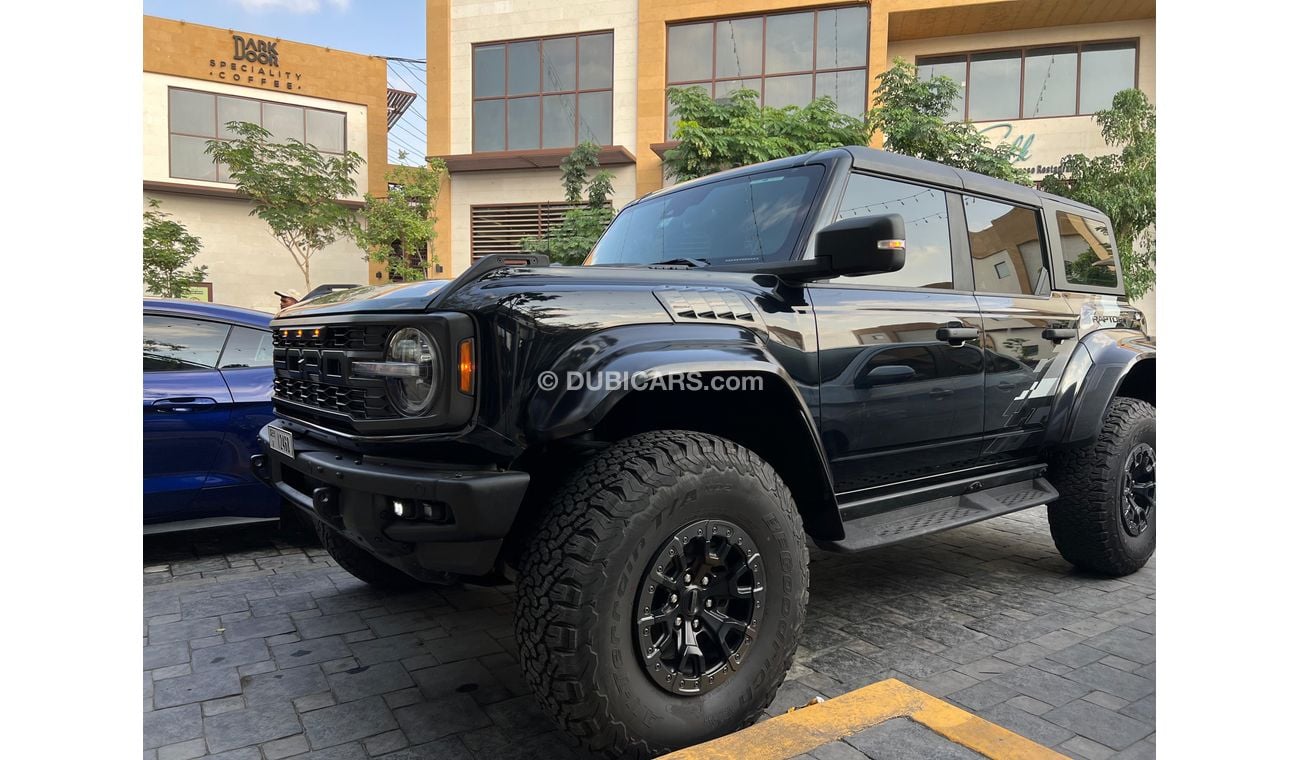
column 258, row 647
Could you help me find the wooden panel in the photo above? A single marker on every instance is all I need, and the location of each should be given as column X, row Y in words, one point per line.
column 1018, row 14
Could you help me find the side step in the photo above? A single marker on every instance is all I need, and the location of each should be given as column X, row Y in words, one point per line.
column 903, row 522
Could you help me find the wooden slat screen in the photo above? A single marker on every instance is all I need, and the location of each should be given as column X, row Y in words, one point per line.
column 499, row 228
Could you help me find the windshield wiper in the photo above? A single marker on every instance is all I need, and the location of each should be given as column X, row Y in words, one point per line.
column 680, row 262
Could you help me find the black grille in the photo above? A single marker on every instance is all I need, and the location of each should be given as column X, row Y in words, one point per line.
column 311, row 369
column 345, row 337
column 358, row 403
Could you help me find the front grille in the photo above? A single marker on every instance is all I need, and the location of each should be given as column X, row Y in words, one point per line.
column 357, row 403
column 311, row 369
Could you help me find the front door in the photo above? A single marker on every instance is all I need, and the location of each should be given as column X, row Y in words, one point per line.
column 901, row 374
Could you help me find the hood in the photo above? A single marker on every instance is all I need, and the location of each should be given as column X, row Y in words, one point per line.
column 401, row 296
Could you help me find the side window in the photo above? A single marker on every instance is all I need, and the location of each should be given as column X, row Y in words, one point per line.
column 1006, row 244
column 918, row 358
column 179, row 343
column 247, row 348
column 1089, row 255
column 925, row 210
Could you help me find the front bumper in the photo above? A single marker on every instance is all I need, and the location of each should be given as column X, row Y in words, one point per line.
column 354, row 494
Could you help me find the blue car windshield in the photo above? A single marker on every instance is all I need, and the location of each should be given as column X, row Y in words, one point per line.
column 754, row 217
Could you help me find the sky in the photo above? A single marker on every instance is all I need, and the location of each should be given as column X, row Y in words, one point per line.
column 392, row 28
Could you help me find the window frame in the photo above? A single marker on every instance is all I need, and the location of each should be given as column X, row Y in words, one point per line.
column 762, row 76
column 261, row 116
column 174, row 315
column 1025, row 51
column 505, row 97
column 1057, row 256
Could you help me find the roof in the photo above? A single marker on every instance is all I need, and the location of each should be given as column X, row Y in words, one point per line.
column 233, row 314
column 902, row 167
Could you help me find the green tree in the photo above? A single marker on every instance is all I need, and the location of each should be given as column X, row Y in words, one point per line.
column 168, row 250
column 910, row 114
column 294, row 188
column 572, row 239
column 713, row 135
column 397, row 230
column 1121, row 184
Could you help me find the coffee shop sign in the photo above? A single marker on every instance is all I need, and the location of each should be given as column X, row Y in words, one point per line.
column 254, row 62
column 1021, row 146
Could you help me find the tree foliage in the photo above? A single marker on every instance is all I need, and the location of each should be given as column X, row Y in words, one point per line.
column 1121, row 184
column 910, row 114
column 294, row 188
column 570, row 241
column 397, row 230
column 168, row 250
column 713, row 135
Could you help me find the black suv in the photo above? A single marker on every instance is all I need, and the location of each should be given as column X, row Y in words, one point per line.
column 849, row 346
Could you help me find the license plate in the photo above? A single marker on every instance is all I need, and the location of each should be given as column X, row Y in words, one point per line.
column 281, row 440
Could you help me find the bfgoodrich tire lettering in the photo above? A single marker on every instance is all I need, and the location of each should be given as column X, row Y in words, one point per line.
column 1087, row 522
column 580, row 581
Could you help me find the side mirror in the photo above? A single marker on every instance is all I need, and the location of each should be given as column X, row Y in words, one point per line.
column 863, row 245
column 887, row 375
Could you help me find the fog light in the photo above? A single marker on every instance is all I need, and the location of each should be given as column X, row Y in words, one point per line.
column 399, row 508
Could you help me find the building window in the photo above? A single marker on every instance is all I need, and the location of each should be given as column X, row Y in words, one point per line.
column 552, row 92
column 197, row 117
column 499, row 228
column 1035, row 83
column 789, row 58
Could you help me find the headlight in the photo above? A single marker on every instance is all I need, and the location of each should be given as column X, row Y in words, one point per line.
column 413, row 395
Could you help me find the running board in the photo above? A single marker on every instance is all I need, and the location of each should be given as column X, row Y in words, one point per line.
column 903, row 522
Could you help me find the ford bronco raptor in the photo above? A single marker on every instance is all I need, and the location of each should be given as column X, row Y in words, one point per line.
column 850, row 347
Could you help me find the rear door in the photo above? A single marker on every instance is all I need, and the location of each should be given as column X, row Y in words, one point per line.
column 186, row 410
column 901, row 380
column 1029, row 331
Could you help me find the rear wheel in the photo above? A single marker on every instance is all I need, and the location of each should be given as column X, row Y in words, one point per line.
column 660, row 601
column 1105, row 520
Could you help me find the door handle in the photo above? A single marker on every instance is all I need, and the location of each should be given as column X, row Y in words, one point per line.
column 182, row 403
column 956, row 335
column 940, row 392
column 1005, row 386
column 1056, row 334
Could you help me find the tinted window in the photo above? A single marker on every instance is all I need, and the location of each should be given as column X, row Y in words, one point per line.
column 953, row 67
column 994, row 88
column 1006, row 246
column 1089, row 255
column 756, row 217
column 925, row 210
column 1050, row 76
column 177, row 343
column 918, row 358
column 1106, row 69
column 247, row 348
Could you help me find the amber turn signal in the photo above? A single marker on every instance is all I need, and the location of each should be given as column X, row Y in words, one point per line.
column 465, row 365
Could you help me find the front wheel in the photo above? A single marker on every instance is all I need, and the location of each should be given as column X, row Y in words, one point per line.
column 1105, row 520
column 660, row 601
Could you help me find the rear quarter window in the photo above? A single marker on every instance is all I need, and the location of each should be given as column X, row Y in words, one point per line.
column 1088, row 251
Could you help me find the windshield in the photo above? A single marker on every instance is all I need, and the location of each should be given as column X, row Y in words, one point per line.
column 755, row 217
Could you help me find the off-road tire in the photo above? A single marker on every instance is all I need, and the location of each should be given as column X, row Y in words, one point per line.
column 362, row 564
column 1086, row 521
column 581, row 571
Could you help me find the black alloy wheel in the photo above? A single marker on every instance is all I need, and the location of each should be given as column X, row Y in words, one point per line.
column 1138, row 498
column 700, row 606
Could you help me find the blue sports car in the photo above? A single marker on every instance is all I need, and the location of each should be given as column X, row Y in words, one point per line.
column 207, row 391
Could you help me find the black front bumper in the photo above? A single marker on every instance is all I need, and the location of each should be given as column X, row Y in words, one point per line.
column 354, row 494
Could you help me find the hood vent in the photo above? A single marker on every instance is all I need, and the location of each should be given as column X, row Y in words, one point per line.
column 707, row 305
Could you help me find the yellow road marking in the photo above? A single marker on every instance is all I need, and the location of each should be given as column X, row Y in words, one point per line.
column 810, row 727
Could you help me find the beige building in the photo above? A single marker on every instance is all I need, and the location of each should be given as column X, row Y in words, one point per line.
column 513, row 86
column 198, row 78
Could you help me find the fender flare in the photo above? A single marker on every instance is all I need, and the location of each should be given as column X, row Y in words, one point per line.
column 1095, row 371
column 656, row 354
